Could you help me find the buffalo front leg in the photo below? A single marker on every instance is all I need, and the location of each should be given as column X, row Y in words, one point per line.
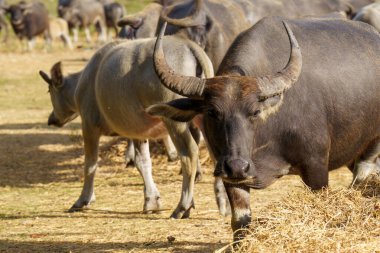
column 129, row 153
column 187, row 150
column 87, row 34
column 143, row 163
column 240, row 207
column 221, row 197
column 91, row 138
column 75, row 34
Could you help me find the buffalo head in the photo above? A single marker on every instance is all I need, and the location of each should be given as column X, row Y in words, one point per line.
column 231, row 107
column 188, row 19
column 16, row 12
column 63, row 111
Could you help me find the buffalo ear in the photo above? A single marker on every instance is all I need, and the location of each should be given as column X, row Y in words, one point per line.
column 45, row 77
column 182, row 110
column 56, row 75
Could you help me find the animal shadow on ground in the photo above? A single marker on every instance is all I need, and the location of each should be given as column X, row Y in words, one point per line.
column 16, row 246
column 31, row 155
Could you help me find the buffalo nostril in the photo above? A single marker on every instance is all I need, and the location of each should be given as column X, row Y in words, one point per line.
column 238, row 167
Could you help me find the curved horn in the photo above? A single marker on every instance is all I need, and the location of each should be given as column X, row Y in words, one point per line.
column 274, row 85
column 134, row 21
column 187, row 86
column 195, row 19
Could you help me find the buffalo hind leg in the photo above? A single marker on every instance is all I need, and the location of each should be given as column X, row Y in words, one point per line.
column 91, row 138
column 170, row 149
column 367, row 165
column 187, row 150
column 240, row 206
column 143, row 163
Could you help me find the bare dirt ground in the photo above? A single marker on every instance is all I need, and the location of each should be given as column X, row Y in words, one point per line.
column 41, row 177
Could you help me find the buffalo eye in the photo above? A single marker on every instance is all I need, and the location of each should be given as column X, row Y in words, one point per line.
column 213, row 114
column 252, row 116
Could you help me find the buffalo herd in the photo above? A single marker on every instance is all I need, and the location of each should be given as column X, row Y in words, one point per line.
column 296, row 89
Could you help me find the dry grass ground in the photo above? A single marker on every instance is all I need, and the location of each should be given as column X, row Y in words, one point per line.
column 41, row 177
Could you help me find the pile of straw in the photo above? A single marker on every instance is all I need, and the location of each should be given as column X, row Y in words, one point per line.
column 339, row 220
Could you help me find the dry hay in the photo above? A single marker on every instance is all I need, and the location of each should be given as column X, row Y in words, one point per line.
column 369, row 187
column 339, row 220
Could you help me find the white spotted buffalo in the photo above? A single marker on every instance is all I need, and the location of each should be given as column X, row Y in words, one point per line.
column 266, row 115
column 111, row 95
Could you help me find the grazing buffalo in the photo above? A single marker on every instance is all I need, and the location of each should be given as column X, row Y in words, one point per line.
column 113, row 12
column 59, row 29
column 29, row 21
column 113, row 103
column 369, row 14
column 83, row 14
column 263, row 121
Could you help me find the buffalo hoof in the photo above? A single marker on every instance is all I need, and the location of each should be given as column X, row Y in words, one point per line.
column 129, row 164
column 82, row 204
column 152, row 205
column 182, row 213
column 172, row 157
column 198, row 177
column 76, row 208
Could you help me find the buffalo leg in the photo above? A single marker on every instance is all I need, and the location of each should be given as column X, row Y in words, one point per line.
column 75, row 34
column 91, row 138
column 240, row 206
column 87, row 34
column 367, row 165
column 144, row 165
column 170, row 148
column 315, row 173
column 66, row 40
column 187, row 149
column 31, row 44
column 221, row 197
column 129, row 153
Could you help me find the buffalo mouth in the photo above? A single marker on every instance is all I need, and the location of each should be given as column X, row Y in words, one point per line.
column 251, row 182
column 238, row 181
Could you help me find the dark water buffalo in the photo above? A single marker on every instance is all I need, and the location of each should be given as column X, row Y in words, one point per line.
column 215, row 23
column 263, row 121
column 113, row 103
column 83, row 14
column 369, row 14
column 113, row 12
column 29, row 20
